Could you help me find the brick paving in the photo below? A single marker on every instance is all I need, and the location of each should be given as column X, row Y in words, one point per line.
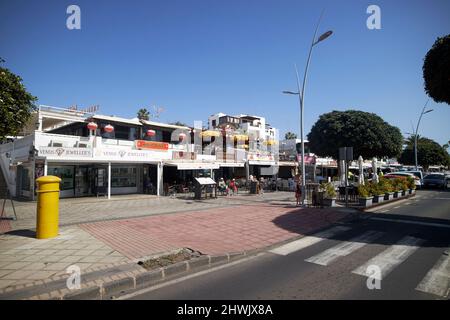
column 213, row 231
column 89, row 209
column 97, row 232
column 5, row 226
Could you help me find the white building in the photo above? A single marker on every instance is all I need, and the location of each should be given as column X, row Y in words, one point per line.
column 262, row 143
column 96, row 154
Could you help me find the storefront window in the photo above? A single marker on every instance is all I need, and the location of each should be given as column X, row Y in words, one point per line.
column 25, row 179
column 123, row 177
column 66, row 173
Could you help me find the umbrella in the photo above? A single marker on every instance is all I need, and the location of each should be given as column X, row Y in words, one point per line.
column 374, row 169
column 361, row 172
column 342, row 171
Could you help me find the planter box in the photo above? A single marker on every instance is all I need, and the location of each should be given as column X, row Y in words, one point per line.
column 365, row 202
column 403, row 193
column 329, row 202
column 397, row 194
column 378, row 198
column 388, row 196
column 412, row 191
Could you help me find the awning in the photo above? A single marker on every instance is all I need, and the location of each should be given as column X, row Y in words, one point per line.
column 210, row 133
column 231, row 165
column 261, row 163
column 240, row 137
column 197, row 166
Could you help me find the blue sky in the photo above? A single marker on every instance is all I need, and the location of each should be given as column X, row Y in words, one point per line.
column 198, row 57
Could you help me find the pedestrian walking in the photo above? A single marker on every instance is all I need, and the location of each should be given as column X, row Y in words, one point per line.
column 298, row 193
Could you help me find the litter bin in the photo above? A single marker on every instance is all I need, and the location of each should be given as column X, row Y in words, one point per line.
column 47, row 217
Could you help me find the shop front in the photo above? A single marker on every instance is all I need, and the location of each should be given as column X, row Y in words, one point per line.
column 80, row 180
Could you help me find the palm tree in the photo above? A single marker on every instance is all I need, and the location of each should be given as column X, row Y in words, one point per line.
column 290, row 135
column 446, row 145
column 143, row 114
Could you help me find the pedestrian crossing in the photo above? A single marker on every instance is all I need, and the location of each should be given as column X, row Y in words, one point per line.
column 345, row 248
column 436, row 281
column 392, row 256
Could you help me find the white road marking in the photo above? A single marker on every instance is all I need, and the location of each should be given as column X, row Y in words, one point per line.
column 431, row 224
column 308, row 241
column 396, row 207
column 437, row 280
column 187, row 277
column 345, row 248
column 392, row 256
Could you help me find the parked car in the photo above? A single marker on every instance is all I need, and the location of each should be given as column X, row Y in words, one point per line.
column 437, row 180
column 404, row 175
column 418, row 174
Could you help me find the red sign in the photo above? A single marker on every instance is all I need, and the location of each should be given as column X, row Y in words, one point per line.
column 151, row 145
column 308, row 159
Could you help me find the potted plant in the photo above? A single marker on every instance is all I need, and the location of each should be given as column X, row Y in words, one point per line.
column 388, row 189
column 378, row 192
column 411, row 185
column 329, row 195
column 404, row 187
column 365, row 197
column 396, row 183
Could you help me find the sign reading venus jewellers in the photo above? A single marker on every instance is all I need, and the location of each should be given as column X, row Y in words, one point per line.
column 62, row 153
column 130, row 155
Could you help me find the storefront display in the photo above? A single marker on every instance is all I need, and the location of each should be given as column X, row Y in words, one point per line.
column 123, row 177
column 66, row 173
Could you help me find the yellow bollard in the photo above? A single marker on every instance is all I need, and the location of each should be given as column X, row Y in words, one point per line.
column 47, row 216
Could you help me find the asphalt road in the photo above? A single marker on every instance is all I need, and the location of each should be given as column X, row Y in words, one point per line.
column 407, row 242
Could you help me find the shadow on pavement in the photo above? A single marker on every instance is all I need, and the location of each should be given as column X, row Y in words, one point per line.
column 25, row 233
column 311, row 221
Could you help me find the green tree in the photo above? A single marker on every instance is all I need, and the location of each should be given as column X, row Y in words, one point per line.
column 16, row 104
column 446, row 145
column 290, row 135
column 429, row 153
column 179, row 123
column 368, row 134
column 143, row 114
column 436, row 70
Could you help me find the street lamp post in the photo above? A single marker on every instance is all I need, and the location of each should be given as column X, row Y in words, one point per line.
column 417, row 130
column 301, row 98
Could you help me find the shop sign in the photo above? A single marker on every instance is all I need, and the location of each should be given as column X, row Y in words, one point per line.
column 130, row 155
column 61, row 152
column 308, row 159
column 151, row 145
column 181, row 155
column 260, row 157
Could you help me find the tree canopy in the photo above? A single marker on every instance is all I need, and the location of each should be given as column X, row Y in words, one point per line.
column 179, row 123
column 429, row 153
column 368, row 134
column 436, row 70
column 290, row 135
column 16, row 104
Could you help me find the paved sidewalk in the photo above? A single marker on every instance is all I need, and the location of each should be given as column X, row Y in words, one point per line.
column 24, row 259
column 89, row 209
column 151, row 226
column 214, row 231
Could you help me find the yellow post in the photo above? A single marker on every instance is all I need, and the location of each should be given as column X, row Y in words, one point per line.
column 47, row 207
